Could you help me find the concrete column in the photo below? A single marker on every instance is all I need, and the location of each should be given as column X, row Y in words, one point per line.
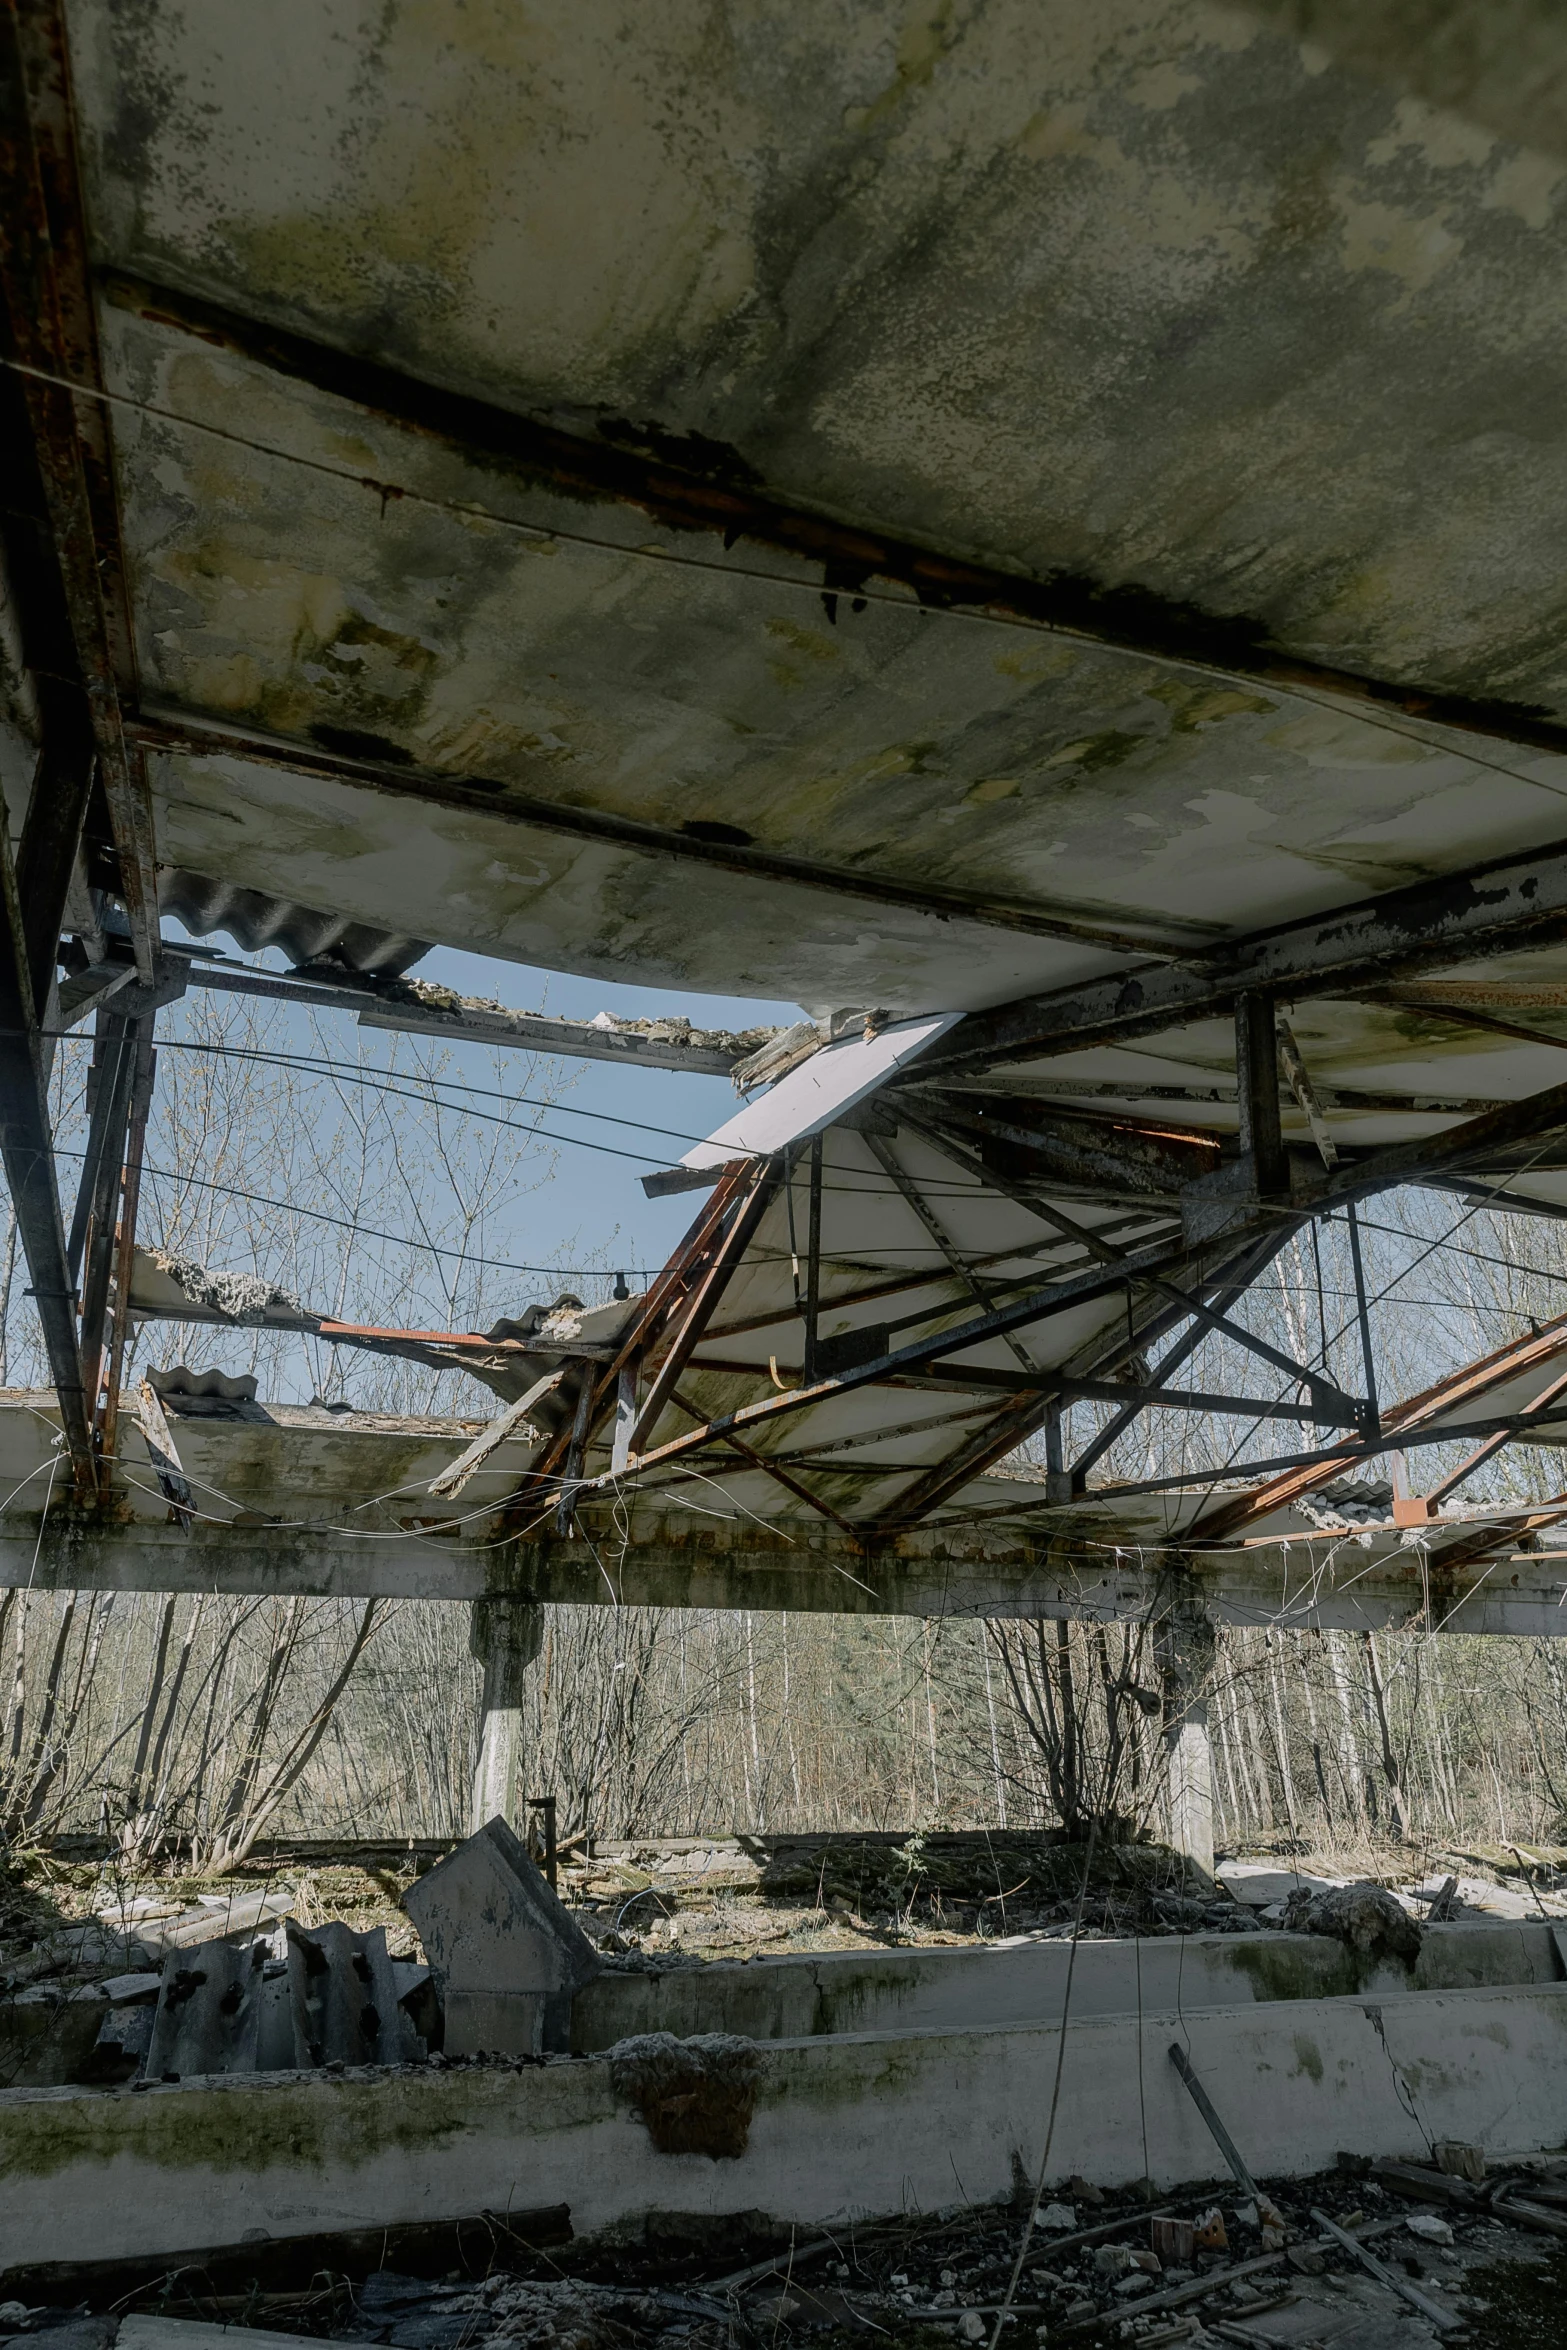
column 1185, row 1647
column 505, row 1635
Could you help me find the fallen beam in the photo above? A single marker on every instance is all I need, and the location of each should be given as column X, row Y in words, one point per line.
column 707, row 1054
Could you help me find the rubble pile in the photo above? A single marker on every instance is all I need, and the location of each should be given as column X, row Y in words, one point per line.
column 1326, row 2259
column 693, row 1898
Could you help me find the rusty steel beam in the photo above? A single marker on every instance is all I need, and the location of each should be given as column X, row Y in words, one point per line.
column 915, row 1200
column 1503, row 1363
column 1331, row 1460
column 1150, row 1265
column 669, row 1293
column 1230, row 1288
column 1498, row 1139
column 1100, row 1154
column 900, row 1284
column 709, row 1295
column 774, row 1469
column 1223, row 1284
column 1169, row 1282
column 1493, row 908
column 723, row 504
column 48, row 300
column 142, row 1081
column 27, row 1152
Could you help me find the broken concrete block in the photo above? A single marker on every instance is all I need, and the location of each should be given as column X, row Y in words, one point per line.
column 1364, row 1916
column 124, row 2039
column 121, row 1990
column 509, row 1958
column 696, row 2096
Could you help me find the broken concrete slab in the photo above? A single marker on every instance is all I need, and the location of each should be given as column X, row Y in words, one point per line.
column 508, row 1956
column 1259, row 1884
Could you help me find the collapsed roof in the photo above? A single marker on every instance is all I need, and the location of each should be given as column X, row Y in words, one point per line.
column 1047, row 519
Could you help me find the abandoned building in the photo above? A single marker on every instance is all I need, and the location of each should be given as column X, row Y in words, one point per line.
column 1034, row 535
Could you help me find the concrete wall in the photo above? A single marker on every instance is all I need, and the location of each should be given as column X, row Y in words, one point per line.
column 864, row 2124
column 940, row 1990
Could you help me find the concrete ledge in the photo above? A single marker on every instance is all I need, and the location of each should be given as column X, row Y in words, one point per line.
column 946, row 1990
column 858, row 2125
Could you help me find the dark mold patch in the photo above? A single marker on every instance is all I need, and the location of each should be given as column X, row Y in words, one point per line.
column 695, row 2096
column 355, row 742
column 721, row 836
column 594, row 470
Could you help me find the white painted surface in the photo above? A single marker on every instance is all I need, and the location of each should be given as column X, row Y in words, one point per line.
column 869, row 2124
column 821, row 1089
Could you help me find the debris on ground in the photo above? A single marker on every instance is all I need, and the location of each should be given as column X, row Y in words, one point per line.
column 1131, row 2268
column 1364, row 1916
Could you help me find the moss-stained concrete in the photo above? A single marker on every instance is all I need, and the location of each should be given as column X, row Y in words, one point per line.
column 784, row 1998
column 305, row 2122
column 867, row 2123
column 1140, row 299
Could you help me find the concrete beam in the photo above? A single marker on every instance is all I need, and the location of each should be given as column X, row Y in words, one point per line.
column 292, row 1500
column 1328, row 1583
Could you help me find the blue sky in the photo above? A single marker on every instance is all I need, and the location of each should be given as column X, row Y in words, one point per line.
column 591, row 1204
column 592, row 1197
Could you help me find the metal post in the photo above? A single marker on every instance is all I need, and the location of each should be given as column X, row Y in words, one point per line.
column 125, row 1248
column 1373, row 1412
column 27, row 1151
column 103, row 1212
column 571, row 1475
column 813, row 1263
column 505, row 1635
column 625, row 1415
column 1257, row 1074
column 1185, row 1649
column 546, row 1806
column 1058, row 1482
column 111, row 1055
